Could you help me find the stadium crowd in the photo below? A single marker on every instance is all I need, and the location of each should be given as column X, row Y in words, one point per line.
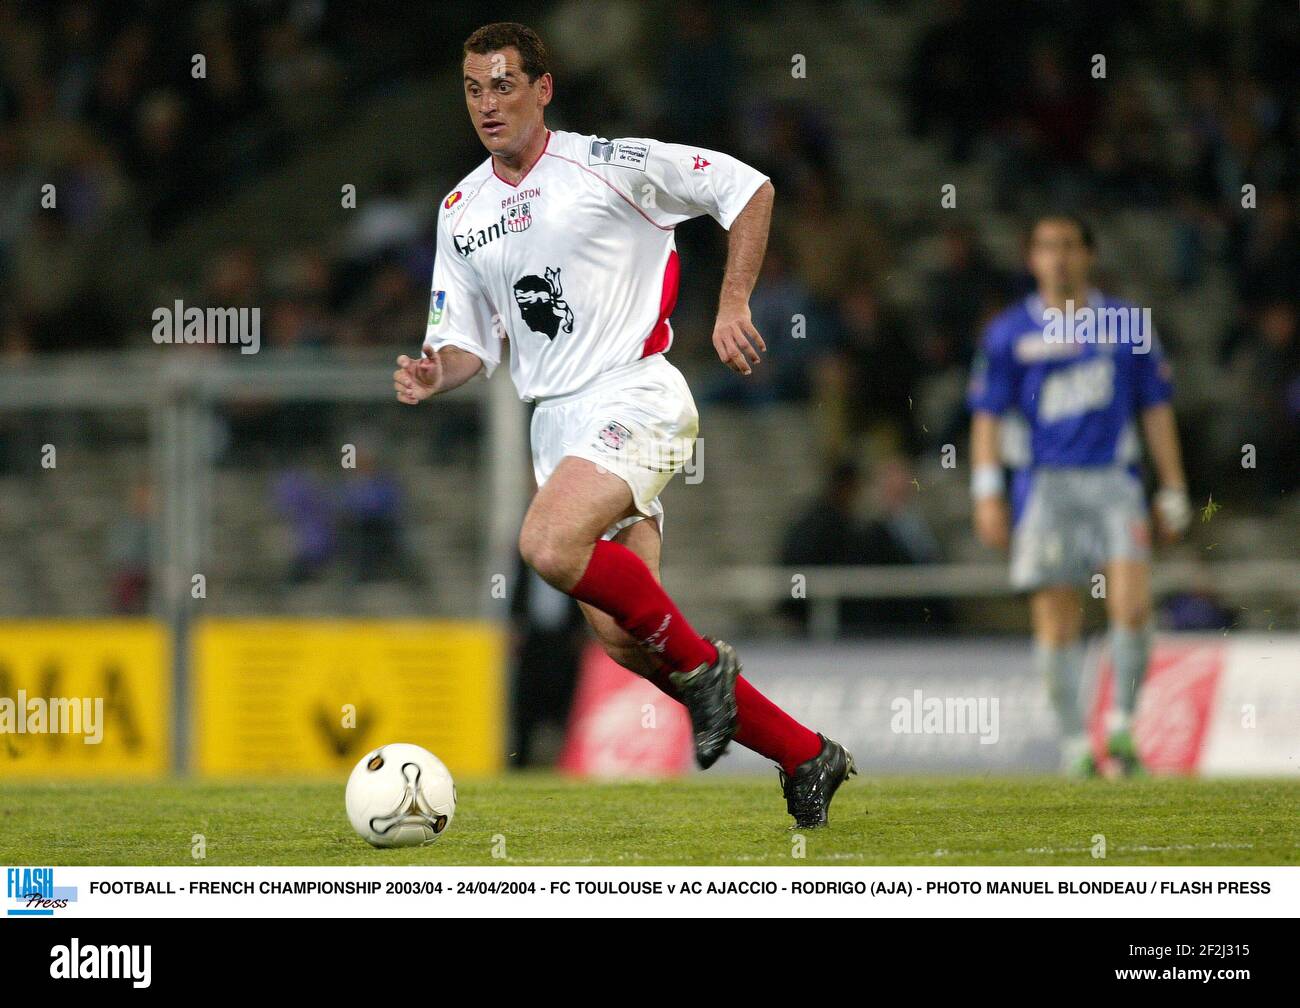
column 102, row 101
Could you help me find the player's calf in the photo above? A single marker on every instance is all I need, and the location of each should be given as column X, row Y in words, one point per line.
column 708, row 693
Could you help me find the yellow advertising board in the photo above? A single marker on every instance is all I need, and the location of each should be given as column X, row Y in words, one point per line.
column 83, row 698
column 287, row 696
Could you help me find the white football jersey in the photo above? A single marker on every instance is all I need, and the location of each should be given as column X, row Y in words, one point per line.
column 575, row 264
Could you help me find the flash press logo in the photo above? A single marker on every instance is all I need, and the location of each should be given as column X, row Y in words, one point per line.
column 31, row 892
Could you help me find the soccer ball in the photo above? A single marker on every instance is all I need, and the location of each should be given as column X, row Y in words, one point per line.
column 400, row 796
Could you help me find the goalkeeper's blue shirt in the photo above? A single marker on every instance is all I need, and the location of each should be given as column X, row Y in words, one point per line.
column 1079, row 382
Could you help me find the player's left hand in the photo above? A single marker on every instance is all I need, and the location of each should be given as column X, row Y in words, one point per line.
column 735, row 339
column 1173, row 513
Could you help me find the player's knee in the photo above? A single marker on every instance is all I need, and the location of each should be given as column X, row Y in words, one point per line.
column 1134, row 616
column 1062, row 638
column 1056, row 633
column 548, row 556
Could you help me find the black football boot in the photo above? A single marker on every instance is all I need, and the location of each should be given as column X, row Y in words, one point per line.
column 709, row 694
column 809, row 790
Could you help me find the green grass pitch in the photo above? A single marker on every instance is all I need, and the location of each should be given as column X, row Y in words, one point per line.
column 706, row 819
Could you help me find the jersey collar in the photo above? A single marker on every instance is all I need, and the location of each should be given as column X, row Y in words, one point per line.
column 542, row 154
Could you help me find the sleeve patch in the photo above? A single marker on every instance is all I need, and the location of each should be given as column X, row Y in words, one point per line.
column 621, row 153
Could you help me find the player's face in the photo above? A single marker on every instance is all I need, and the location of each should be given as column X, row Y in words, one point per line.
column 1058, row 257
column 505, row 107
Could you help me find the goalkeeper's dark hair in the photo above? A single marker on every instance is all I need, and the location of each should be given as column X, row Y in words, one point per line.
column 502, row 34
column 1084, row 228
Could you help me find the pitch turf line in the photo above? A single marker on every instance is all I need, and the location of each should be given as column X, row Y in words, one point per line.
column 701, row 819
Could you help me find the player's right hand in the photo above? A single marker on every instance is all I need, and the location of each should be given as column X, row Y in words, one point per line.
column 735, row 339
column 416, row 380
column 993, row 521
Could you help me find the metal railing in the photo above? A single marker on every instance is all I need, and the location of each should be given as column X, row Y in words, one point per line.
column 767, row 585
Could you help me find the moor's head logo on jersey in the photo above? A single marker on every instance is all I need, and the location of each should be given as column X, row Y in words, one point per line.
column 541, row 303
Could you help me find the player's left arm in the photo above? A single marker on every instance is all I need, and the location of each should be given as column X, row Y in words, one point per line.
column 1173, row 507
column 1154, row 393
column 734, row 337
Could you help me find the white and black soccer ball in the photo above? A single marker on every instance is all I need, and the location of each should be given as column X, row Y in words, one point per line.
column 400, row 795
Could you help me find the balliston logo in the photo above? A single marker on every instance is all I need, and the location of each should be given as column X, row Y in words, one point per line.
column 451, row 200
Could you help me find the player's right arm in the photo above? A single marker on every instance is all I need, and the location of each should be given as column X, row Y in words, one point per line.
column 992, row 519
column 991, row 393
column 440, row 371
column 462, row 337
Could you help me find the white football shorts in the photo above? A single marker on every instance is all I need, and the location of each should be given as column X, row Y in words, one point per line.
column 637, row 421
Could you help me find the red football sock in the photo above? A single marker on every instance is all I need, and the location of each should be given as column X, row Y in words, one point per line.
column 618, row 582
column 764, row 727
column 771, row 732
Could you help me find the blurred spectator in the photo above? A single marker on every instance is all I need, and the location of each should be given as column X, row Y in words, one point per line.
column 162, row 155
column 700, row 76
column 605, row 91
column 901, row 535
column 900, row 519
column 865, row 387
column 1197, row 610
column 304, row 505
column 394, row 307
column 796, row 334
column 833, row 248
column 791, row 143
column 947, row 81
column 830, row 532
column 962, row 291
column 129, row 554
column 300, row 76
column 50, row 268
column 548, row 636
column 372, row 535
column 20, row 192
column 385, row 220
column 1270, row 265
column 1267, row 368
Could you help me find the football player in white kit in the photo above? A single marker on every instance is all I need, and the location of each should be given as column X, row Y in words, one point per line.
column 563, row 244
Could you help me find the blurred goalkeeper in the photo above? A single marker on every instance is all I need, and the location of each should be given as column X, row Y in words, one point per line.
column 1085, row 371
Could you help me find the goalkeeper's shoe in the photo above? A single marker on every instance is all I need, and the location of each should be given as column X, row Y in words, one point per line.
column 709, row 694
column 809, row 790
column 1120, row 747
column 1077, row 759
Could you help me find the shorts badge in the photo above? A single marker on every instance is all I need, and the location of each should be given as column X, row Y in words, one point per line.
column 615, row 435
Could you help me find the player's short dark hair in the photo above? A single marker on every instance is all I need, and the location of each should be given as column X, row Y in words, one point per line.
column 502, row 34
column 1082, row 226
